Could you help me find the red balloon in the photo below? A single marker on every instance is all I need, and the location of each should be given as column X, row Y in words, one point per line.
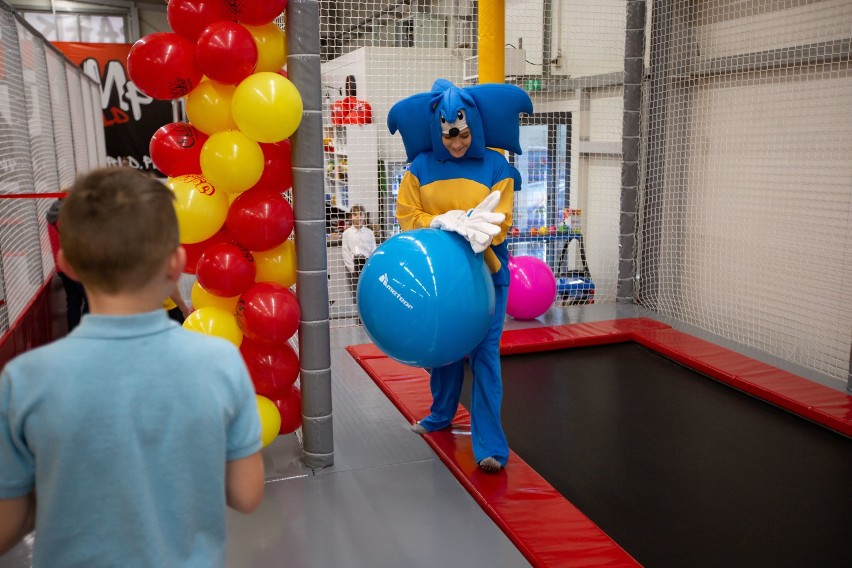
column 195, row 250
column 189, row 17
column 226, row 52
column 268, row 313
column 274, row 367
column 162, row 65
column 260, row 219
column 290, row 408
column 176, row 149
column 226, row 270
column 257, row 12
column 277, row 167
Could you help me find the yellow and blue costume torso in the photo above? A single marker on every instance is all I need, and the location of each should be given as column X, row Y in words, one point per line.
column 437, row 182
column 432, row 186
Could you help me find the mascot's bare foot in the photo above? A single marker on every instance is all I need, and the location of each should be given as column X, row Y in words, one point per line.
column 490, row 465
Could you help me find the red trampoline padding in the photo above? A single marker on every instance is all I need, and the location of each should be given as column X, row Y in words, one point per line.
column 821, row 404
column 545, row 527
column 573, row 335
column 365, row 351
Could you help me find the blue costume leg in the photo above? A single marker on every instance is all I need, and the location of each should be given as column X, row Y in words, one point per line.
column 487, row 392
column 446, row 384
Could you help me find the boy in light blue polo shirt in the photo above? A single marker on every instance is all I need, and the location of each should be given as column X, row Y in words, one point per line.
column 123, row 443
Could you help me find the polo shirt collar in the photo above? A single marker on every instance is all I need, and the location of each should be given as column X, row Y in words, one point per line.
column 118, row 327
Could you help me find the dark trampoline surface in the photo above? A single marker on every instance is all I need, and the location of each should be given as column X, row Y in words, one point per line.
column 678, row 469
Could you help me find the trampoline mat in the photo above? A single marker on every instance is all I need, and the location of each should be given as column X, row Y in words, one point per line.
column 678, row 469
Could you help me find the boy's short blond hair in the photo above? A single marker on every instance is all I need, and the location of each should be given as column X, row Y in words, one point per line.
column 117, row 228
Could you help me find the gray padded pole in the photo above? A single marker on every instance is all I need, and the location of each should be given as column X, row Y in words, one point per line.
column 303, row 68
column 634, row 59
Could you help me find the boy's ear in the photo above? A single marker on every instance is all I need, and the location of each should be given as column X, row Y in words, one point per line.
column 62, row 264
column 177, row 262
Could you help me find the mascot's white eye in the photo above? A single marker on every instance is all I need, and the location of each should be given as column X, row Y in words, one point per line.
column 460, row 115
column 443, row 120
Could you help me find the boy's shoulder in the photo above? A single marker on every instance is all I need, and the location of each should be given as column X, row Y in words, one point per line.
column 39, row 368
column 179, row 352
column 57, row 353
column 50, row 354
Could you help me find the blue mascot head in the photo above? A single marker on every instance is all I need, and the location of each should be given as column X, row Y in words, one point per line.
column 453, row 111
column 489, row 111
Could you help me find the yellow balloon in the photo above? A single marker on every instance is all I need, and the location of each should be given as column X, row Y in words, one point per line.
column 270, row 420
column 231, row 161
column 201, row 298
column 271, row 46
column 277, row 264
column 208, row 107
column 267, row 107
column 216, row 322
column 201, row 209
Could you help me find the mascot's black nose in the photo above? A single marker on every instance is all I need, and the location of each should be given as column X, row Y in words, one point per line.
column 453, row 132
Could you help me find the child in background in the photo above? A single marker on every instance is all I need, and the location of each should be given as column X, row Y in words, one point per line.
column 133, row 433
column 75, row 296
column 176, row 307
column 358, row 244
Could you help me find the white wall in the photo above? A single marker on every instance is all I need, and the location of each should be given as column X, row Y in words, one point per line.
column 757, row 198
column 588, row 34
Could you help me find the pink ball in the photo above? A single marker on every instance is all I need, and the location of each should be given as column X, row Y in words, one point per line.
column 532, row 287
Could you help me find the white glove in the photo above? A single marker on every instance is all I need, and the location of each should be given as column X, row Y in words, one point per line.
column 477, row 225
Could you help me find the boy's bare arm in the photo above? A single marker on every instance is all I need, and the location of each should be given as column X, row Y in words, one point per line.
column 17, row 520
column 244, row 480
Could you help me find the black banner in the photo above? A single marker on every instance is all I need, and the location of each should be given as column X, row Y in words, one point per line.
column 130, row 116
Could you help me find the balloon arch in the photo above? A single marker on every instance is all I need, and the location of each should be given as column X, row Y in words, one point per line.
column 230, row 169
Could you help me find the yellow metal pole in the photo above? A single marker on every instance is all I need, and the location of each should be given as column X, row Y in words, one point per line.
column 492, row 39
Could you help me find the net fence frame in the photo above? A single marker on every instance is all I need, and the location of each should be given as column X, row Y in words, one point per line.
column 643, row 84
column 654, row 158
column 51, row 132
column 717, row 247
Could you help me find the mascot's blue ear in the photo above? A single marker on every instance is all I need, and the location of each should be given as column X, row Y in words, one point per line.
column 499, row 106
column 412, row 116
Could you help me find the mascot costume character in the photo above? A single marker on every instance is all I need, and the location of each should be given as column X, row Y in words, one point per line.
column 456, row 182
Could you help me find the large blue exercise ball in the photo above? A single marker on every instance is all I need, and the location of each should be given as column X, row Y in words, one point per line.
column 425, row 298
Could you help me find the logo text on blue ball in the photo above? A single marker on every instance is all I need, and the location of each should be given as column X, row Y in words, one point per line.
column 384, row 280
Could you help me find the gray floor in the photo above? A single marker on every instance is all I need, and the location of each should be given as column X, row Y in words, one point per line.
column 387, row 501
